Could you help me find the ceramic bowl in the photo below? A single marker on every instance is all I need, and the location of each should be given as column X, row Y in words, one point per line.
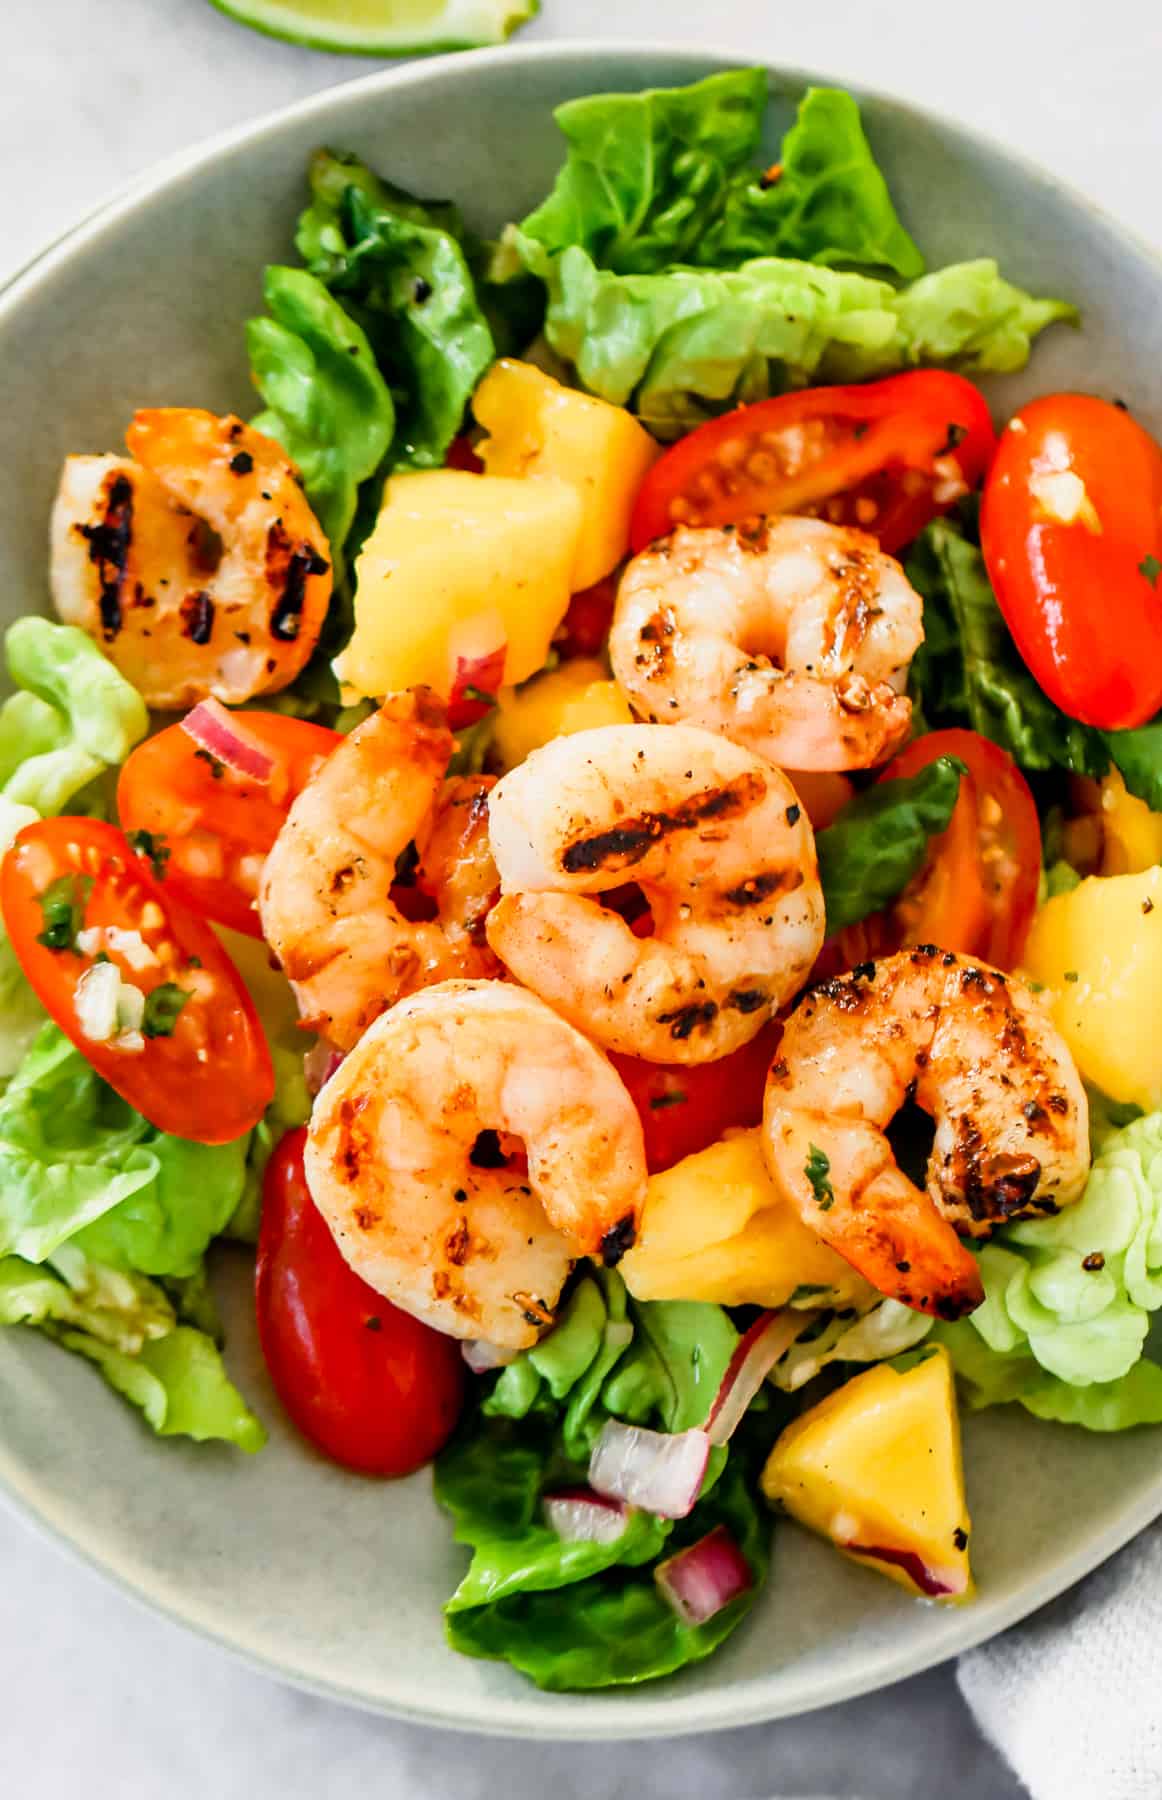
column 321, row 1577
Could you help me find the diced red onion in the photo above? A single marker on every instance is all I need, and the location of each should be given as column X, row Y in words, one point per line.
column 319, row 1064
column 579, row 1516
column 701, row 1580
column 771, row 1335
column 661, row 1472
column 482, row 1356
column 483, row 674
column 217, row 732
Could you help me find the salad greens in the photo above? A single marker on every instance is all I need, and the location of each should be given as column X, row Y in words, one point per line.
column 672, row 175
column 579, row 1614
column 880, row 840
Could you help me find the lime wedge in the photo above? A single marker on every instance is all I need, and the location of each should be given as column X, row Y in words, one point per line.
column 383, row 27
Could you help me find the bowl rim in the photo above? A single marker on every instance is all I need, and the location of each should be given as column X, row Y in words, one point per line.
column 690, row 1711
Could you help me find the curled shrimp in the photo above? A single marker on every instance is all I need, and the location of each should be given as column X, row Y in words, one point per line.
column 723, row 852
column 326, row 898
column 416, row 1200
column 198, row 565
column 975, row 1050
column 793, row 639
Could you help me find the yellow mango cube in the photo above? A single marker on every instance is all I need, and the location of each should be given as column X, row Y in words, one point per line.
column 716, row 1228
column 540, row 429
column 877, row 1468
column 1097, row 953
column 1131, row 833
column 576, row 697
column 456, row 564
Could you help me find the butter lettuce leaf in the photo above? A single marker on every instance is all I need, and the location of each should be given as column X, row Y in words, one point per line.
column 680, row 346
column 672, row 175
column 1068, row 1299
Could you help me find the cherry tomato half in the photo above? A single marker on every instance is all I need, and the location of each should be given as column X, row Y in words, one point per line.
column 210, row 827
column 585, row 628
column 886, row 456
column 373, row 1388
column 977, row 891
column 683, row 1109
column 1071, row 528
column 197, row 1065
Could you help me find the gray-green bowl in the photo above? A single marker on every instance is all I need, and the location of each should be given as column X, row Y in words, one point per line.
column 329, row 1580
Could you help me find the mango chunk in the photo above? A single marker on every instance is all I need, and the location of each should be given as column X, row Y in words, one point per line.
column 456, row 564
column 576, row 697
column 540, row 429
column 1131, row 833
column 876, row 1467
column 715, row 1227
column 1097, row 952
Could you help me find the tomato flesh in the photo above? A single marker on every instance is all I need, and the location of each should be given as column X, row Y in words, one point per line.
column 886, row 456
column 977, row 891
column 1071, row 528
column 208, row 1076
column 210, row 828
column 585, row 628
column 683, row 1109
column 371, row 1387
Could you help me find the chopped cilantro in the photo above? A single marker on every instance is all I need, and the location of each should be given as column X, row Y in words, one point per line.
column 479, row 694
column 153, row 847
column 817, row 1168
column 1151, row 568
column 1072, row 975
column 162, row 1007
column 217, row 769
column 62, row 907
column 675, row 1098
column 956, row 435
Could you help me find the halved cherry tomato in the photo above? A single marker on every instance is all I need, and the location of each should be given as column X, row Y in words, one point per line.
column 977, row 892
column 210, row 828
column 373, row 1388
column 584, row 629
column 1071, row 529
column 886, row 456
column 683, row 1109
column 198, row 1066
column 461, row 455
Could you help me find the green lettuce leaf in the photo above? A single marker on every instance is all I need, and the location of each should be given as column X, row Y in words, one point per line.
column 402, row 271
column 657, row 1364
column 885, row 1331
column 613, row 1627
column 968, row 670
column 79, row 1165
column 880, row 839
column 21, row 1014
column 681, row 346
column 670, row 176
column 1068, row 1299
column 75, row 718
column 125, row 1325
column 328, row 403
column 1138, row 757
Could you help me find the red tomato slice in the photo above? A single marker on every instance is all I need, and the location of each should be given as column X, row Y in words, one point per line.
column 199, row 1066
column 977, row 892
column 584, row 629
column 1071, row 529
column 683, row 1109
column 886, row 456
column 373, row 1388
column 210, row 828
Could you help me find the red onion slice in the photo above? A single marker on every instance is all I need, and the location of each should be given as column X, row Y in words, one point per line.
column 700, row 1581
column 934, row 1583
column 482, row 1357
column 661, row 1472
column 217, row 732
column 771, row 1335
column 319, row 1064
column 579, row 1516
column 477, row 651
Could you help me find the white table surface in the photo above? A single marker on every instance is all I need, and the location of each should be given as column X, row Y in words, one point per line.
column 98, row 1695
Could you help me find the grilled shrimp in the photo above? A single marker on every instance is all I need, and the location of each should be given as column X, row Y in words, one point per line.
column 793, row 639
column 406, row 1137
column 326, row 903
column 976, row 1051
column 724, row 854
column 198, row 566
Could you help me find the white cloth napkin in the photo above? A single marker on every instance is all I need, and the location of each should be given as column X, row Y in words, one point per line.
column 1073, row 1697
